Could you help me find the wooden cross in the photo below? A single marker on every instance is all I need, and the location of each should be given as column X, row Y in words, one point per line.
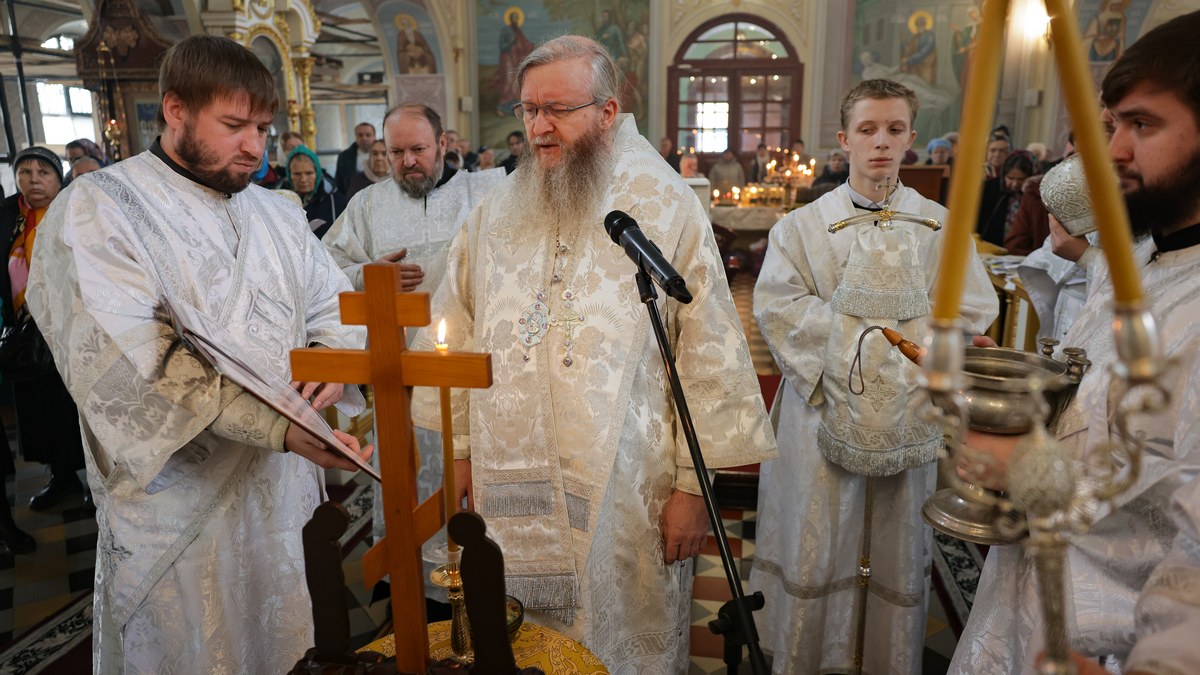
column 392, row 369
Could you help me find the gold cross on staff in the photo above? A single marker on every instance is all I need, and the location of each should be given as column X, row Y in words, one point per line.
column 392, row 369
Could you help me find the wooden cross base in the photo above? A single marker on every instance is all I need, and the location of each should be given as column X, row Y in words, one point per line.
column 392, row 369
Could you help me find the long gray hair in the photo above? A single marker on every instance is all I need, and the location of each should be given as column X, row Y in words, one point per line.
column 606, row 79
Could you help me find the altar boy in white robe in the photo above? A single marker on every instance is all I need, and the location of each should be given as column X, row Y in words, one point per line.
column 201, row 490
column 852, row 451
column 575, row 454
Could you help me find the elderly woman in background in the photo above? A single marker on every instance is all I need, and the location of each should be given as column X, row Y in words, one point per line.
column 77, row 150
column 939, row 152
column 323, row 202
column 47, row 421
column 377, row 168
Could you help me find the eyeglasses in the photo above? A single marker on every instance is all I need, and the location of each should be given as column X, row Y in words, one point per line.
column 552, row 111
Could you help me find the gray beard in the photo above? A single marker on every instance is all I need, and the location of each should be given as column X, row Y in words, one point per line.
column 570, row 194
column 418, row 188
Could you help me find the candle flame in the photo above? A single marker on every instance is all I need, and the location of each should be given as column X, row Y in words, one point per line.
column 441, row 334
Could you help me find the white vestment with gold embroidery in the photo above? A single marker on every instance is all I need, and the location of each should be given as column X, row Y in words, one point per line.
column 572, row 464
column 199, row 564
column 811, row 510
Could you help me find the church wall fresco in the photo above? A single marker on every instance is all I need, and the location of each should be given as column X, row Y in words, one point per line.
column 412, row 54
column 507, row 31
column 926, row 46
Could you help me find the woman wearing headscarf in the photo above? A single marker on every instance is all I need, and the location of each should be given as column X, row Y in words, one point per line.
column 376, row 169
column 1002, row 197
column 323, row 202
column 78, row 149
column 47, row 421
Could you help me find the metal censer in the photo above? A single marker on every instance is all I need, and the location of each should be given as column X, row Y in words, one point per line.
column 1000, row 400
column 1053, row 490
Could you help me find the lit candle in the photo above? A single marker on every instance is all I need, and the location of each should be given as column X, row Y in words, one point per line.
column 795, row 158
column 448, row 487
column 979, row 100
column 1115, row 234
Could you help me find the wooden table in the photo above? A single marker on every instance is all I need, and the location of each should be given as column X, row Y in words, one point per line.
column 537, row 646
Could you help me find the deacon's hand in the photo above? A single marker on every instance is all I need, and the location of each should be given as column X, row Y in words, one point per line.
column 462, row 482
column 983, row 341
column 996, row 448
column 311, row 448
column 411, row 275
column 322, row 395
column 1064, row 244
column 684, row 526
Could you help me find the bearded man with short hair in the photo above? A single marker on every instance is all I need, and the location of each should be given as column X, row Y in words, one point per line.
column 575, row 456
column 410, row 219
column 201, row 490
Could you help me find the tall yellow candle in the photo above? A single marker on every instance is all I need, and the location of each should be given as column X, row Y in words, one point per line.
column 979, row 105
column 1111, row 217
column 448, row 487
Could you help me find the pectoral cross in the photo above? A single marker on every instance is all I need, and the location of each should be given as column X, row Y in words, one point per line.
column 567, row 318
column 884, row 217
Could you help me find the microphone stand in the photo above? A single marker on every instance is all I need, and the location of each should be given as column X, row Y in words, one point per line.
column 735, row 620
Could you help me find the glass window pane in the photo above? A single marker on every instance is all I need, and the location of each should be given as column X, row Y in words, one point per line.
column 777, row 139
column 686, row 141
column 777, row 115
column 712, row 140
column 779, row 87
column 776, row 49
column 84, row 128
column 719, row 32
column 52, row 98
column 81, row 101
column 749, row 31
column 709, row 50
column 687, row 115
column 59, row 129
column 752, row 116
column 716, row 88
column 686, row 85
column 751, row 139
column 754, row 87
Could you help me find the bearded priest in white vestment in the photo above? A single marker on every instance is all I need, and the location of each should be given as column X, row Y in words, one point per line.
column 816, row 294
column 1154, row 122
column 575, row 454
column 410, row 219
column 199, row 502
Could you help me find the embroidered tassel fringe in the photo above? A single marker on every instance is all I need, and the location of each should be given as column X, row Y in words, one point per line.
column 513, row 500
column 555, row 595
column 877, row 303
column 868, row 462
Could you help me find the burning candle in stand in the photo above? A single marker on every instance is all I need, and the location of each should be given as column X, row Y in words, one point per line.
column 448, row 487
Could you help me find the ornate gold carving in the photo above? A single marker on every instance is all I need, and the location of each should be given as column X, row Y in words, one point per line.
column 278, row 35
column 308, row 126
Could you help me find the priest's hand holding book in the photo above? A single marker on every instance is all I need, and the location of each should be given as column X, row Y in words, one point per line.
column 310, row 447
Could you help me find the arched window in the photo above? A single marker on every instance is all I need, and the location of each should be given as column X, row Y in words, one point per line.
column 735, row 83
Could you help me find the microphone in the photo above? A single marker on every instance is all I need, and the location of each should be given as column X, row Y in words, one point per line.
column 625, row 233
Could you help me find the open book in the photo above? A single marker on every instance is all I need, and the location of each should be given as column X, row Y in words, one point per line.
column 209, row 341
